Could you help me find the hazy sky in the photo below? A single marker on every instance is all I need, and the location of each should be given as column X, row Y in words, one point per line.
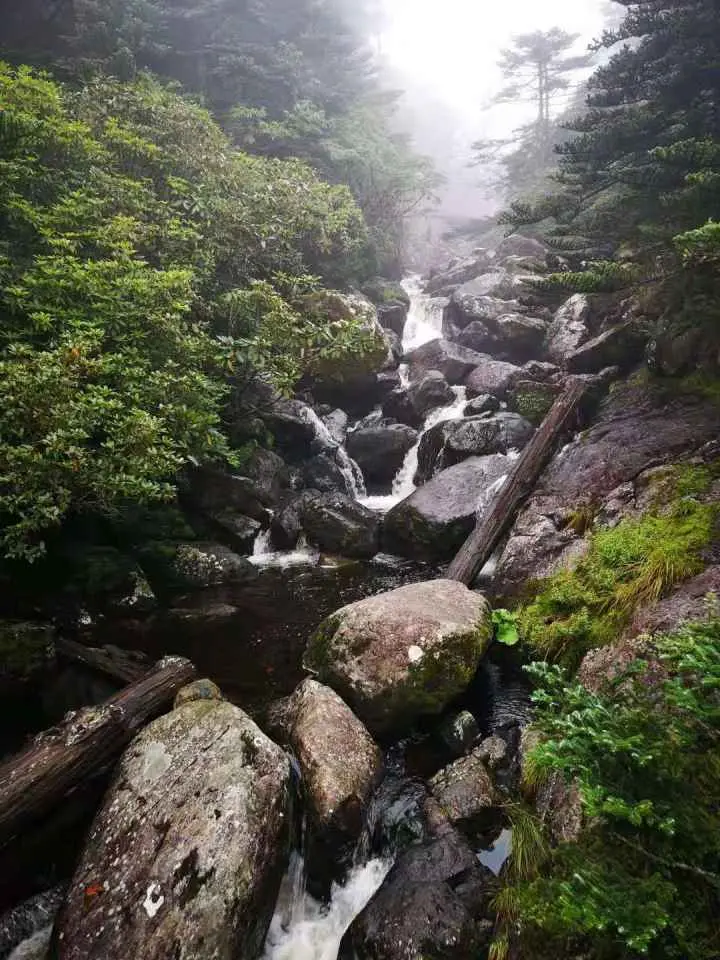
column 452, row 45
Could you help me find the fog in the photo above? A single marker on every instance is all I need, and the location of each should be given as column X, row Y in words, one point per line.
column 445, row 56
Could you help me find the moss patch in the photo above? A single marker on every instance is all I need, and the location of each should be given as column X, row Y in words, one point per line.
column 628, row 566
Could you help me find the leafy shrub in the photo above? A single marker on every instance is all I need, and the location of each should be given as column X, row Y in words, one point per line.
column 643, row 878
column 127, row 220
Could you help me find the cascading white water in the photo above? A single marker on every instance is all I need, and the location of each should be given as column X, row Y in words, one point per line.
column 264, row 555
column 350, row 470
column 424, row 321
column 305, row 929
column 404, row 482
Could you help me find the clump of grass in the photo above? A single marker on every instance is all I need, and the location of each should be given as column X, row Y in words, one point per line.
column 626, row 567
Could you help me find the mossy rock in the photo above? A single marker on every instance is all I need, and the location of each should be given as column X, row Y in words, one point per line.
column 401, row 655
column 532, row 399
column 353, row 365
column 381, row 291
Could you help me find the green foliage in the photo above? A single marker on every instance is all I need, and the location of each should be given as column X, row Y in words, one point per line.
column 642, row 879
column 638, row 180
column 128, row 226
column 626, row 566
column 506, row 627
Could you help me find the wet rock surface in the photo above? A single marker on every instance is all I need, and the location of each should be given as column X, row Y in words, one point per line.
column 568, row 329
column 404, row 654
column 495, row 377
column 339, row 760
column 380, row 450
column 411, row 405
column 453, row 361
column 640, row 425
column 466, row 794
column 185, row 856
column 451, row 442
column 433, row 522
column 435, row 903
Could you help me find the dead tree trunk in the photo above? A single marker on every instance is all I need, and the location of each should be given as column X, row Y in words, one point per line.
column 475, row 552
column 123, row 666
column 84, row 744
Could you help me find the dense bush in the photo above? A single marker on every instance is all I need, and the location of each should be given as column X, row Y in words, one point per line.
column 127, row 220
column 643, row 878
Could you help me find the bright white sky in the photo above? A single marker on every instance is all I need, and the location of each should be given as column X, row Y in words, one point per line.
column 451, row 46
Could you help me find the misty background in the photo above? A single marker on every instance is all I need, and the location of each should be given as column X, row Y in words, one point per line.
column 445, row 60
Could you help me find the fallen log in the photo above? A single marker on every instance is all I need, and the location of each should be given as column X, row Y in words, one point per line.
column 125, row 666
column 477, row 549
column 83, row 745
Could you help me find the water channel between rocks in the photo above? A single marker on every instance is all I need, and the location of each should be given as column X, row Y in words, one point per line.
column 300, row 587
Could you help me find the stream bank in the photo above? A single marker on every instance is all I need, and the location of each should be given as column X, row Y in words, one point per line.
column 246, row 620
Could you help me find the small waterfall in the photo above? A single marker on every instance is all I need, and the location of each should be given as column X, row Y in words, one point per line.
column 264, row 555
column 305, row 929
column 350, row 470
column 424, row 320
column 404, row 482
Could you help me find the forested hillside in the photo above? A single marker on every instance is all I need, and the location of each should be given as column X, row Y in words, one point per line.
column 347, row 612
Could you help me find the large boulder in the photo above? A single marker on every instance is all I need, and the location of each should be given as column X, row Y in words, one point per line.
column 185, row 856
column 323, row 473
column 393, row 316
column 348, row 380
column 639, row 425
column 412, row 404
column 379, row 451
column 380, row 290
column 466, row 308
column 622, row 345
column 517, row 245
column 338, row 524
column 443, row 283
column 435, row 903
column 568, row 329
column 453, row 441
column 495, row 377
column 452, row 360
column 434, row 521
column 532, row 399
column 466, row 795
column 339, row 760
column 509, row 336
column 499, row 284
column 403, row 654
column 212, row 491
column 297, row 430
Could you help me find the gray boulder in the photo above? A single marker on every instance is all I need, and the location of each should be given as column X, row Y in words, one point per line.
column 453, row 441
column 338, row 524
column 395, row 347
column 443, row 283
column 466, row 795
column 499, row 284
column 435, row 903
column 379, row 451
column 392, row 316
column 492, row 376
column 622, row 346
column 336, row 422
column 324, row 474
column 568, row 329
column 452, row 360
column 403, row 654
column 434, row 521
column 485, row 403
column 516, row 245
column 185, row 567
column 212, row 491
column 412, row 405
column 339, row 760
column 186, row 854
column 465, row 308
